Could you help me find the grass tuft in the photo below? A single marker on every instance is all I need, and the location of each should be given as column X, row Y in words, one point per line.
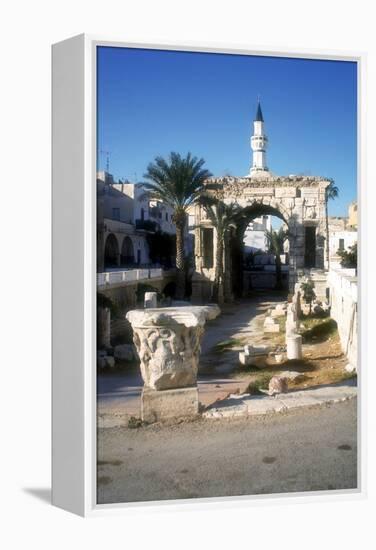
column 260, row 383
column 318, row 330
column 227, row 345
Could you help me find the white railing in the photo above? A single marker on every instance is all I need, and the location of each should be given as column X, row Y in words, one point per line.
column 109, row 278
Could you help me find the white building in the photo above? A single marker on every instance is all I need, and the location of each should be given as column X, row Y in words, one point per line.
column 254, row 236
column 342, row 234
column 145, row 209
column 125, row 217
column 119, row 243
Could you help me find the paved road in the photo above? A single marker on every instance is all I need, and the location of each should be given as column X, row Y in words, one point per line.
column 304, row 451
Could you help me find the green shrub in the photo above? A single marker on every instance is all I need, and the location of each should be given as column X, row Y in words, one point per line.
column 260, row 383
column 349, row 258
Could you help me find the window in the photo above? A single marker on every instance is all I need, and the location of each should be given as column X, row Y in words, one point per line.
column 116, row 214
column 142, row 214
column 208, row 244
column 310, row 247
column 341, row 244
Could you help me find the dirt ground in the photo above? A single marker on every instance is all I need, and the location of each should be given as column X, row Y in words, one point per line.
column 323, row 360
column 220, row 373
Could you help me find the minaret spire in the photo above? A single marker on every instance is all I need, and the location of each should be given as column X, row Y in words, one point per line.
column 259, row 117
column 259, row 143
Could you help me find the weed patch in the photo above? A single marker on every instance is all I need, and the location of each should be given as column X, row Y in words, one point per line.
column 318, row 330
column 227, row 345
column 260, row 383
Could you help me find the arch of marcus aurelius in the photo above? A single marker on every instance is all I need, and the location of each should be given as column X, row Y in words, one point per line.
column 299, row 201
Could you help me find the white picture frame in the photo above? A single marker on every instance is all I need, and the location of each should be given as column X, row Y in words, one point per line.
column 74, row 274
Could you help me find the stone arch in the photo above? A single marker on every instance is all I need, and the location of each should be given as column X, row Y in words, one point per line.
column 111, row 251
column 300, row 201
column 256, row 209
column 127, row 252
column 252, row 210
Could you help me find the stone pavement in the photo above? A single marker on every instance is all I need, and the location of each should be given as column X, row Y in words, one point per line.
column 247, row 405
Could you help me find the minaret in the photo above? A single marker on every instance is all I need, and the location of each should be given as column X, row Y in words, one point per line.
column 259, row 143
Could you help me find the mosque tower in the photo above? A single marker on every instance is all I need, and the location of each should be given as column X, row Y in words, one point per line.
column 259, row 143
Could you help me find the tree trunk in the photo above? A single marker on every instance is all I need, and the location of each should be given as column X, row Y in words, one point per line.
column 327, row 232
column 218, row 278
column 278, row 273
column 227, row 276
column 180, row 283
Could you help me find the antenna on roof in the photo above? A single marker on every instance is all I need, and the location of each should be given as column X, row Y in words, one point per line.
column 107, row 153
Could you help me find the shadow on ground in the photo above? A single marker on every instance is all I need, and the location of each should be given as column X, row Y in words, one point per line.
column 41, row 493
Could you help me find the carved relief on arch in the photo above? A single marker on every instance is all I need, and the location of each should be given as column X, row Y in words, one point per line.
column 281, row 209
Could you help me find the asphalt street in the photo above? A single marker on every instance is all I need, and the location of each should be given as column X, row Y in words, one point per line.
column 306, row 450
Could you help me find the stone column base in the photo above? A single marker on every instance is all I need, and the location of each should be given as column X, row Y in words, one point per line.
column 201, row 290
column 168, row 404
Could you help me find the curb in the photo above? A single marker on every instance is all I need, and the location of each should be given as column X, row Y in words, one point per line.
column 234, row 407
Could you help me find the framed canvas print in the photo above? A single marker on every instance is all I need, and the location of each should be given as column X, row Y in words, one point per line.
column 206, row 326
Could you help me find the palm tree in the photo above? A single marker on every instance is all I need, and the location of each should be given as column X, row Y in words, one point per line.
column 331, row 193
column 275, row 241
column 222, row 217
column 178, row 182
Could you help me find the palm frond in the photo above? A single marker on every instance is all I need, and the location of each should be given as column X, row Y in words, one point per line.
column 177, row 181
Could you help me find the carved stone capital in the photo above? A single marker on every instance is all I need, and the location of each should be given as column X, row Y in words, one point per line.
column 168, row 343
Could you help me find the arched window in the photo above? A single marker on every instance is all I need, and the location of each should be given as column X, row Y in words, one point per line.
column 111, row 251
column 127, row 252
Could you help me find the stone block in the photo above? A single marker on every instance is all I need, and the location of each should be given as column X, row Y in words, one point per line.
column 310, row 192
column 263, row 405
column 288, row 202
column 270, row 325
column 150, row 300
column 278, row 384
column 278, row 312
column 256, row 359
column 169, row 404
column 285, row 192
column 253, row 191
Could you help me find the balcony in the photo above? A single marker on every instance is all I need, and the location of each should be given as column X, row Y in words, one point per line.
column 147, row 225
column 117, row 226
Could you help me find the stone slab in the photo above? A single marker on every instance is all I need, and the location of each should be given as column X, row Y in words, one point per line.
column 285, row 192
column 227, row 410
column 263, row 405
column 255, row 360
column 292, row 401
column 162, row 405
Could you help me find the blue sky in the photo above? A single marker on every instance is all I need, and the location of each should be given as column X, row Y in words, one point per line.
column 152, row 102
